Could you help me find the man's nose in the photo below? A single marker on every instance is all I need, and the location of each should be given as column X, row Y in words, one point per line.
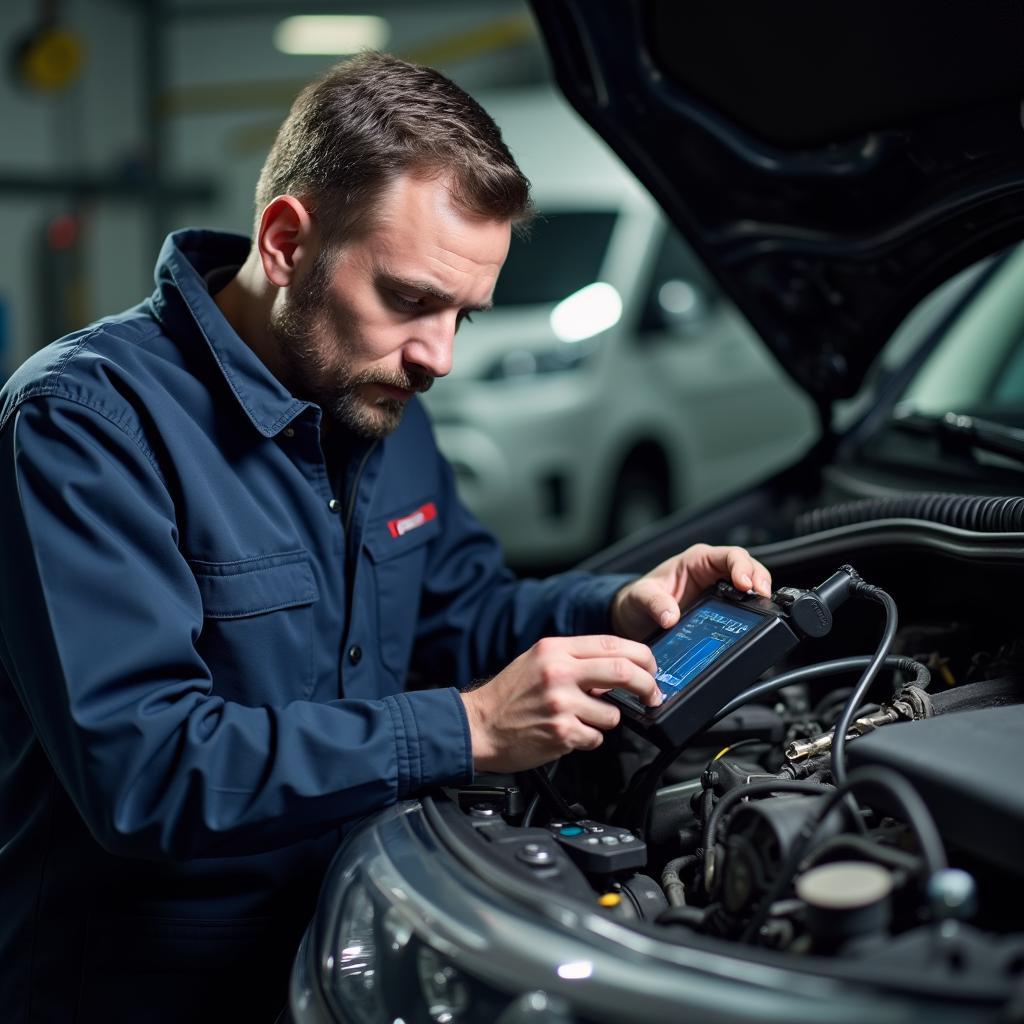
column 433, row 342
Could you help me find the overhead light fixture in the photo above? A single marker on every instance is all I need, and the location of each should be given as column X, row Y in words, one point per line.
column 331, row 33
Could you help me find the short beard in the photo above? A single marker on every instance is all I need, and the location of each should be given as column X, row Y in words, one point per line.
column 311, row 375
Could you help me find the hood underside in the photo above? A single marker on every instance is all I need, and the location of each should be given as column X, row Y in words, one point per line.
column 832, row 163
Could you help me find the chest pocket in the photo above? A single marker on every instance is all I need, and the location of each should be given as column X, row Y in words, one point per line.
column 258, row 628
column 397, row 547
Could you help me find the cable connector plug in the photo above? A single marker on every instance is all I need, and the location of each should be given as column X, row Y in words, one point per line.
column 811, row 611
column 839, row 586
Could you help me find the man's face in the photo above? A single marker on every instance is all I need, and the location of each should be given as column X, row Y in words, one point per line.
column 370, row 324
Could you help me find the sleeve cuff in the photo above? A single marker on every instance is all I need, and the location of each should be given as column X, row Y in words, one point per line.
column 593, row 605
column 432, row 739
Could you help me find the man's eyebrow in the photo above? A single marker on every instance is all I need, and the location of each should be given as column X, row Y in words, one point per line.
column 394, row 281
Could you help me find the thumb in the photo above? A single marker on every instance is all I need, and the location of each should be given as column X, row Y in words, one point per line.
column 652, row 600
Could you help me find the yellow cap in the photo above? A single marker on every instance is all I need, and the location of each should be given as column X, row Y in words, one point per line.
column 609, row 899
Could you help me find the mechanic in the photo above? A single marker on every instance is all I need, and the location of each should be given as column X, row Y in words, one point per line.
column 229, row 538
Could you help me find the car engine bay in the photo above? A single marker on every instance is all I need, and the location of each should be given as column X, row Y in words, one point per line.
column 900, row 859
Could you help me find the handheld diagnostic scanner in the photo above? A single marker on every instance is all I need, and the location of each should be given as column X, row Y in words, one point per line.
column 720, row 646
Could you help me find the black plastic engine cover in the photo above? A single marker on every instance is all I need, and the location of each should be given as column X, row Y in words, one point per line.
column 968, row 769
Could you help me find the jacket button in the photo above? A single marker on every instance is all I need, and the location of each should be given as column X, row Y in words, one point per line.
column 288, row 431
column 355, row 654
column 334, row 505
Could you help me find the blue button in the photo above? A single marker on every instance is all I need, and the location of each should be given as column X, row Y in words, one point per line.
column 570, row 830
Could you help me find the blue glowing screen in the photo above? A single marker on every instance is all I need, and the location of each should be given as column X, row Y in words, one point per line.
column 699, row 638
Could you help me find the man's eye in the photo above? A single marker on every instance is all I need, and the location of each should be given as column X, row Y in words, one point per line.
column 405, row 302
column 463, row 318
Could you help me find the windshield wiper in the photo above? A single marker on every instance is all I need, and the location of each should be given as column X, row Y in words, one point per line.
column 957, row 431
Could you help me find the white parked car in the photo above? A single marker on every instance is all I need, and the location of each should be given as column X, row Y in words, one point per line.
column 612, row 382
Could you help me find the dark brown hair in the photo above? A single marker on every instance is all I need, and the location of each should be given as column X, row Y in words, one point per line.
column 374, row 117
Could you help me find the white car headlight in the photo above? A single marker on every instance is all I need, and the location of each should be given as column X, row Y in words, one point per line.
column 351, row 969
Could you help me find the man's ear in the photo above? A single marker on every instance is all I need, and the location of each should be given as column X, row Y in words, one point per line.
column 285, row 239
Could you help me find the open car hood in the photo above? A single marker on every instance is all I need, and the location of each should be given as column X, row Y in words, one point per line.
column 831, row 162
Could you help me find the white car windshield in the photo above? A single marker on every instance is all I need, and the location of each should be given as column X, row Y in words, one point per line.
column 563, row 253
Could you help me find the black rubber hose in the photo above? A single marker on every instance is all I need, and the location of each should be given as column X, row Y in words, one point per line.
column 635, row 803
column 964, row 511
column 671, row 880
column 543, row 779
column 692, row 917
column 922, row 677
column 867, row 678
column 865, row 848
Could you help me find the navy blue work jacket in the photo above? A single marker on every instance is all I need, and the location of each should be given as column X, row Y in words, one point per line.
column 191, row 706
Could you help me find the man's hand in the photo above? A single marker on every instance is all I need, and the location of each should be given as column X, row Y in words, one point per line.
column 546, row 702
column 653, row 601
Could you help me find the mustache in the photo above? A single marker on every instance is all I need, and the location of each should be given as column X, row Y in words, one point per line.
column 410, row 380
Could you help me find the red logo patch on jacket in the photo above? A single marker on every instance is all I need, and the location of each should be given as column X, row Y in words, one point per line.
column 400, row 527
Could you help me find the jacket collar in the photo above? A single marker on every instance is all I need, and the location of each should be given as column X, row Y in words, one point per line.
column 183, row 305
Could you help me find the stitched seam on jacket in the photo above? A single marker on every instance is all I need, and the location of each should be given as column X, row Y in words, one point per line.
column 401, row 749
column 123, row 425
column 467, row 739
column 416, row 754
column 247, row 611
column 56, row 372
column 293, row 557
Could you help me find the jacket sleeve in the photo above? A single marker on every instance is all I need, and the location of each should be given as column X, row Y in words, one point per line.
column 476, row 616
column 100, row 613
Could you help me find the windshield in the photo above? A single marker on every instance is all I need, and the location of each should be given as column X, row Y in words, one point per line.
column 977, row 368
column 563, row 253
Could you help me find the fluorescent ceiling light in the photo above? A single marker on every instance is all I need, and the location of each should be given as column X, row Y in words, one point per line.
column 587, row 312
column 331, row 33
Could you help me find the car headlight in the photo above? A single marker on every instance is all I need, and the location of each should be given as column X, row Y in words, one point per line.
column 379, row 952
column 372, row 963
column 376, row 969
column 443, row 988
column 352, row 968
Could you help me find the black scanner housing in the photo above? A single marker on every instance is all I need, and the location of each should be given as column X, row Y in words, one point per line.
column 687, row 712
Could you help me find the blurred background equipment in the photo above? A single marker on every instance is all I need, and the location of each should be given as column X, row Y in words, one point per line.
column 48, row 57
column 61, row 273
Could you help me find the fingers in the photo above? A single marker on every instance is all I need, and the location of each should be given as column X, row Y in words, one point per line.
column 601, row 714
column 746, row 572
column 659, row 605
column 582, row 727
column 587, row 738
column 600, row 661
column 604, row 646
column 619, row 673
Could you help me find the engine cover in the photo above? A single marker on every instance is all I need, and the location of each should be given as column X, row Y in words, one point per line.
column 968, row 768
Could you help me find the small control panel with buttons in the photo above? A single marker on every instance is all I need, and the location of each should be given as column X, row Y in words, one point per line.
column 598, row 848
column 531, row 850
